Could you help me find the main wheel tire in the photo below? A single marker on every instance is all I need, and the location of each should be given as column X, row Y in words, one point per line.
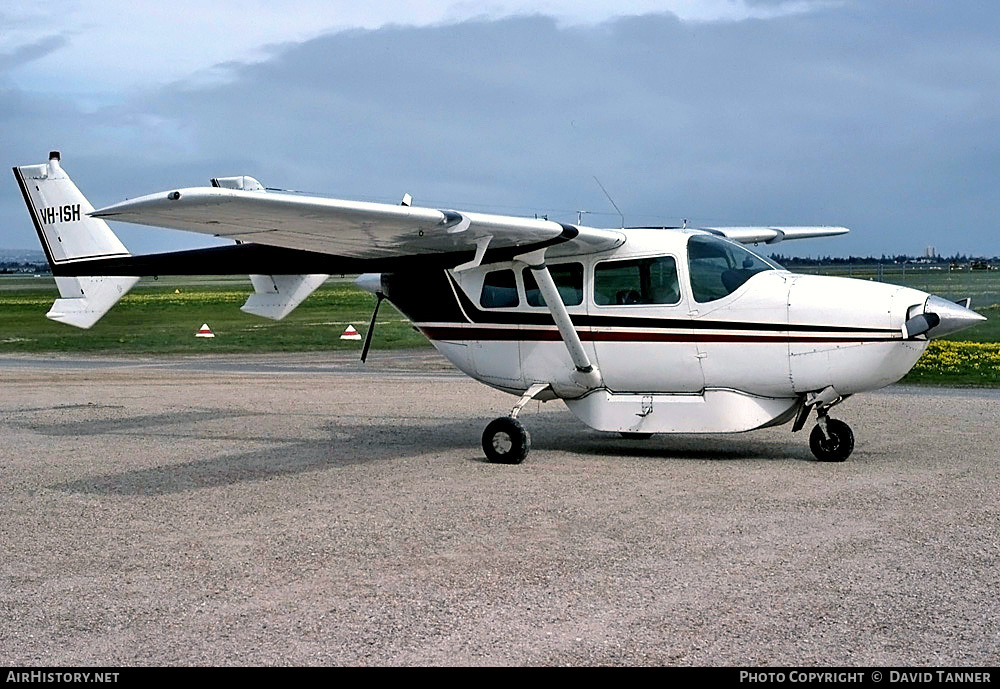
column 506, row 441
column 838, row 447
column 629, row 435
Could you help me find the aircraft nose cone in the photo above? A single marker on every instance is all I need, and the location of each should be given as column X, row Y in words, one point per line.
column 370, row 282
column 952, row 317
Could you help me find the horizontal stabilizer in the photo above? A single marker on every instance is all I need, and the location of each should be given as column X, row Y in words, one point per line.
column 276, row 296
column 83, row 300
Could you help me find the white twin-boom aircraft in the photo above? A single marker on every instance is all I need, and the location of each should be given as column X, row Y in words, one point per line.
column 638, row 330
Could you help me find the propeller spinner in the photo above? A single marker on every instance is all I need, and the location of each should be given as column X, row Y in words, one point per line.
column 941, row 317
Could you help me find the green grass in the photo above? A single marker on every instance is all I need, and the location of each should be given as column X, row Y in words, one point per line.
column 162, row 316
column 958, row 363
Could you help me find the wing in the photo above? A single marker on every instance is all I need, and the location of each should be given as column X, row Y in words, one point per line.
column 349, row 228
column 773, row 235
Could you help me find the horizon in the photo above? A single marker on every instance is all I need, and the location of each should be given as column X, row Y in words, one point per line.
column 776, row 255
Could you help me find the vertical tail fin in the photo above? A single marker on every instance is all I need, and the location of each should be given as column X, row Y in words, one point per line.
column 70, row 236
column 59, row 212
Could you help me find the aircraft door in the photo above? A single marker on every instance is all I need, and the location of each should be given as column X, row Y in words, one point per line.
column 639, row 317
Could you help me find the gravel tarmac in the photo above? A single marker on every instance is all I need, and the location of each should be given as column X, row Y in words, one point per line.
column 303, row 510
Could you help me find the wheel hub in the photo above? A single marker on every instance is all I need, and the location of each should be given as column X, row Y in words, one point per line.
column 502, row 443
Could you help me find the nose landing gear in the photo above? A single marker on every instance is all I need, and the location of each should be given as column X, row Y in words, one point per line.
column 831, row 440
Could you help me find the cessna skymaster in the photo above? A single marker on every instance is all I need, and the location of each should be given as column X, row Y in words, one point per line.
column 638, row 330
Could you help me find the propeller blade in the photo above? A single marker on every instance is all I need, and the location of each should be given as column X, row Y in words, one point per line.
column 920, row 324
column 371, row 327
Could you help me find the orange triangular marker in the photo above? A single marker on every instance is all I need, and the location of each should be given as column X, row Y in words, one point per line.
column 205, row 331
column 350, row 334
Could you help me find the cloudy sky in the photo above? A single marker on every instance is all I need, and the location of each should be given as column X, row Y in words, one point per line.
column 881, row 116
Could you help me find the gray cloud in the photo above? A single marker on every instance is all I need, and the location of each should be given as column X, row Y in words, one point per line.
column 31, row 51
column 879, row 117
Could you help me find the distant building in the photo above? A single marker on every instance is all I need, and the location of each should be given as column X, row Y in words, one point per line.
column 930, row 252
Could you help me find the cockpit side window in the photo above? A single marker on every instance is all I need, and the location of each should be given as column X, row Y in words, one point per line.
column 499, row 290
column 638, row 281
column 719, row 267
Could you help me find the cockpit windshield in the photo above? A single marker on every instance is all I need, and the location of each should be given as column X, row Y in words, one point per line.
column 718, row 267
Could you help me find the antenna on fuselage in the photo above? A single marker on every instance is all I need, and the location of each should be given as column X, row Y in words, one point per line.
column 622, row 215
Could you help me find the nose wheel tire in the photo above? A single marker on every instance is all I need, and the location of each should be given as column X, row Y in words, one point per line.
column 837, row 447
column 506, row 441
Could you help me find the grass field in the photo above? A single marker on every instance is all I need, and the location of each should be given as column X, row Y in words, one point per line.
column 948, row 362
column 162, row 316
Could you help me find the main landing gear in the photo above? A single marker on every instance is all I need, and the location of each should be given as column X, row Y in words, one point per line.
column 505, row 440
column 831, row 440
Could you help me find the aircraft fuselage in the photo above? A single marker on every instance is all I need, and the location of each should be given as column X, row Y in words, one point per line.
column 659, row 324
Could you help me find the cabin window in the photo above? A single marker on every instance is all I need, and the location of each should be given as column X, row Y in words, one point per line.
column 718, row 267
column 499, row 290
column 569, row 281
column 640, row 281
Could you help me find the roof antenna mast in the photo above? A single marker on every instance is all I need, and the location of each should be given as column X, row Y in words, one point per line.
column 622, row 215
